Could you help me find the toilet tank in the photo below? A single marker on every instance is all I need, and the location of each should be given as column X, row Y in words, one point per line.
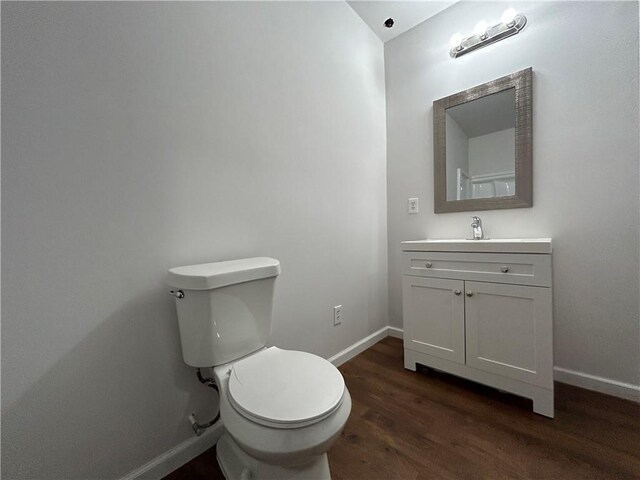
column 226, row 309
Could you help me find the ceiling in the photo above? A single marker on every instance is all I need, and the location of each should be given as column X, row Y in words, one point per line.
column 485, row 115
column 405, row 14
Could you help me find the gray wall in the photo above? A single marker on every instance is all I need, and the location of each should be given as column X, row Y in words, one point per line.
column 585, row 130
column 493, row 153
column 457, row 144
column 141, row 136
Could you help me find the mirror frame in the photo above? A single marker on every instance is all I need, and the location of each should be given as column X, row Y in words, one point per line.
column 522, row 82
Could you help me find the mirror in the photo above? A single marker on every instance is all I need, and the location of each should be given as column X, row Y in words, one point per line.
column 481, row 149
column 482, row 146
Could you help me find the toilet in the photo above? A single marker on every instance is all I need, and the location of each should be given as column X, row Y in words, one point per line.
column 281, row 409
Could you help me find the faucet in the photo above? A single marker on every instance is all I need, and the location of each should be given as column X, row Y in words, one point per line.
column 476, row 224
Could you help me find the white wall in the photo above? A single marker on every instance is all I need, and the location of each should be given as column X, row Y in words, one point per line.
column 493, row 153
column 457, row 145
column 585, row 143
column 141, row 136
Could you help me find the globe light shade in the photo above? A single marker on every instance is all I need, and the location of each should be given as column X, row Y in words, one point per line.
column 456, row 39
column 480, row 28
column 508, row 16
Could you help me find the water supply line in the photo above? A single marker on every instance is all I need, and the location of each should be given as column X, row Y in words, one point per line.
column 199, row 428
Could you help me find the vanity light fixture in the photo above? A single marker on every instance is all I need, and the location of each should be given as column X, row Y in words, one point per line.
column 511, row 23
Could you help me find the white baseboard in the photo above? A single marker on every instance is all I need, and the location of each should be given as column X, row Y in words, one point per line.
column 359, row 347
column 627, row 391
column 396, row 332
column 174, row 458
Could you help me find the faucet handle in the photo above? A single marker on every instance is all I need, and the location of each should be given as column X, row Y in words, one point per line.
column 476, row 220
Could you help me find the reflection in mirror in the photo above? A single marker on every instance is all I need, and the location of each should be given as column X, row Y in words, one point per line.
column 481, row 147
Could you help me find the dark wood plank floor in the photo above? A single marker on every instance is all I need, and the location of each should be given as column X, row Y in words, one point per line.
column 425, row 424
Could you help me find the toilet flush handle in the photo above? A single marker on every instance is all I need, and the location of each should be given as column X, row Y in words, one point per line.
column 177, row 293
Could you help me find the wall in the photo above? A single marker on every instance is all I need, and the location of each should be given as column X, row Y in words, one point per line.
column 141, row 136
column 458, row 151
column 585, row 130
column 493, row 153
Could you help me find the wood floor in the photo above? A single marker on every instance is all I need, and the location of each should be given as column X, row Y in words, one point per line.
column 425, row 424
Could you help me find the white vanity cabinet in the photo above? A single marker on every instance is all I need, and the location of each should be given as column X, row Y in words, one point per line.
column 482, row 314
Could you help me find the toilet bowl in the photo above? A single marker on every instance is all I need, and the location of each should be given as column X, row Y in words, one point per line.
column 280, row 417
column 281, row 409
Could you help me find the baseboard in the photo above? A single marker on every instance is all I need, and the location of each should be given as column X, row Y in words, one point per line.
column 396, row 332
column 172, row 459
column 628, row 391
column 359, row 347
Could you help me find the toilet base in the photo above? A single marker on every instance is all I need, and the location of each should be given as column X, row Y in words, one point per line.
column 238, row 465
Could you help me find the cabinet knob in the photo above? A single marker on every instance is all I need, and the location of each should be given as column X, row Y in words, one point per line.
column 428, row 264
column 457, row 292
column 504, row 269
column 469, row 293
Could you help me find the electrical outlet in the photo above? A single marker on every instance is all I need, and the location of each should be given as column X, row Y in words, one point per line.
column 412, row 205
column 337, row 315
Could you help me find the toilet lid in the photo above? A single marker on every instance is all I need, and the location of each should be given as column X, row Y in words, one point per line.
column 285, row 388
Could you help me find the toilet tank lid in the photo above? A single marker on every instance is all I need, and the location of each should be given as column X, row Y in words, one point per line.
column 207, row 276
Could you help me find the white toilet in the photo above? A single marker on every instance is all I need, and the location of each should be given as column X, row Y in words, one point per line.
column 281, row 409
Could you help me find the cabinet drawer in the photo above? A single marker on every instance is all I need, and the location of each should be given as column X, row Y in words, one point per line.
column 518, row 269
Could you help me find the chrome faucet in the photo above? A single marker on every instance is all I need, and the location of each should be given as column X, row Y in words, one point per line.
column 476, row 224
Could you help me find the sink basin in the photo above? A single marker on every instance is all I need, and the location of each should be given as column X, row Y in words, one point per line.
column 493, row 245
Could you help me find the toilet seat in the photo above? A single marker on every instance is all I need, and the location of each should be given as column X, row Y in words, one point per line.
column 285, row 388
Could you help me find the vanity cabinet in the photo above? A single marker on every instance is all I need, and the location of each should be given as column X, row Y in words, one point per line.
column 482, row 315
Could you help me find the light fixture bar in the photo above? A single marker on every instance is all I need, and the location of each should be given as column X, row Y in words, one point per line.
column 492, row 34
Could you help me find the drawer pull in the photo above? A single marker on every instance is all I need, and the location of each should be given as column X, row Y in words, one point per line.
column 428, row 264
column 457, row 292
column 469, row 293
column 504, row 269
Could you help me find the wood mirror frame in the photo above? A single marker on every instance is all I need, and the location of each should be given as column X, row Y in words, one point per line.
column 522, row 82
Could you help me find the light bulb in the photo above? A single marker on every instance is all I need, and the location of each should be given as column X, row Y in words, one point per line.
column 456, row 39
column 508, row 16
column 480, row 28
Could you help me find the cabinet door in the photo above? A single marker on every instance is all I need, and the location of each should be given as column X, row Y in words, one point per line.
column 509, row 331
column 433, row 311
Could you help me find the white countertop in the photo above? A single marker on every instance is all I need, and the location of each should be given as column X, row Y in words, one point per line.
column 497, row 245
